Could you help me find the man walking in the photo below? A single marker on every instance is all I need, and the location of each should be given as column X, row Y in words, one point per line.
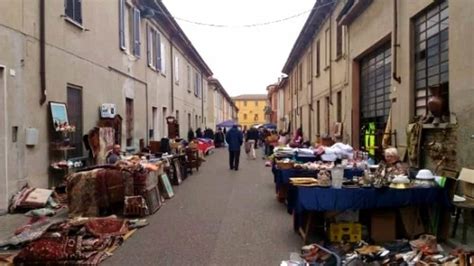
column 234, row 139
column 251, row 139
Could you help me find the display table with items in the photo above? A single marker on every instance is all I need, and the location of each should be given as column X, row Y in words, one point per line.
column 307, row 197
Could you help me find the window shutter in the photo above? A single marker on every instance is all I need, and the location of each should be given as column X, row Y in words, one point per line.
column 68, row 8
column 176, row 69
column 163, row 58
column 149, row 44
column 78, row 11
column 136, row 31
column 158, row 51
column 122, row 24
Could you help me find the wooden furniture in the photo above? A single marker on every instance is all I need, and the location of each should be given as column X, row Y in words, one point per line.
column 465, row 208
column 154, row 146
column 192, row 159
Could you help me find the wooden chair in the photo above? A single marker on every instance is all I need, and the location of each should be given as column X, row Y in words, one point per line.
column 465, row 208
column 192, row 159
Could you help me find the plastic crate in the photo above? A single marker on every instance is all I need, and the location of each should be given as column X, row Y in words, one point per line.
column 348, row 232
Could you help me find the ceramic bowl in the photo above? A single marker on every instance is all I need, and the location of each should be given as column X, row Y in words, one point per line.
column 400, row 185
column 425, row 174
column 425, row 183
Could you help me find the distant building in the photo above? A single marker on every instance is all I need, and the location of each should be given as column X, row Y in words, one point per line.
column 251, row 109
column 220, row 105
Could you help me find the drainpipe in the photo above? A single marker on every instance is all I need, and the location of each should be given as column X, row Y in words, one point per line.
column 311, row 96
column 42, row 52
column 395, row 42
column 202, row 100
column 330, row 75
column 330, row 61
column 172, row 73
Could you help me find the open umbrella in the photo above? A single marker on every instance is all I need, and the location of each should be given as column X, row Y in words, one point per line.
column 227, row 123
column 269, row 126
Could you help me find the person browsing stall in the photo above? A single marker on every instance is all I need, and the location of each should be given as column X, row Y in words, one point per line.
column 114, row 155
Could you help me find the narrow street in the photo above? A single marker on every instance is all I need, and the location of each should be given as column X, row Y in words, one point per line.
column 217, row 217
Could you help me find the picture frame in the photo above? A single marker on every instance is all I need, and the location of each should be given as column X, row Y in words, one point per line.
column 59, row 115
column 168, row 189
column 178, row 173
column 153, row 199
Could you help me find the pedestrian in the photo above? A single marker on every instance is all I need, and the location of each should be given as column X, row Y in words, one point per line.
column 234, row 138
column 219, row 138
column 199, row 133
column 190, row 135
column 251, row 139
column 114, row 155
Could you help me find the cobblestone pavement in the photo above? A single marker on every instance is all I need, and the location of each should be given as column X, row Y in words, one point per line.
column 217, row 217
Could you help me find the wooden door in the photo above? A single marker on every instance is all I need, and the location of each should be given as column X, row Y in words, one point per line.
column 74, row 106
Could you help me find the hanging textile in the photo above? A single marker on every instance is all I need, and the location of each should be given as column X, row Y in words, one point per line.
column 414, row 133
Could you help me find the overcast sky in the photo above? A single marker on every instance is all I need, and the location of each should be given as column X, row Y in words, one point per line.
column 245, row 60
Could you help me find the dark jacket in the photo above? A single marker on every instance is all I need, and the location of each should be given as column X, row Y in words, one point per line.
column 252, row 134
column 235, row 139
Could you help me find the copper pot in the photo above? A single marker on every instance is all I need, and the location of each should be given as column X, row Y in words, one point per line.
column 436, row 101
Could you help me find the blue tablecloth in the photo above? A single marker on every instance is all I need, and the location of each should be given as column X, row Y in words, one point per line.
column 302, row 199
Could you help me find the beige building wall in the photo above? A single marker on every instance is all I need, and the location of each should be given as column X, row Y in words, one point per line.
column 372, row 27
column 309, row 86
column 365, row 35
column 89, row 57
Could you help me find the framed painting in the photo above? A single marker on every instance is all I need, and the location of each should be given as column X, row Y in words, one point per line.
column 168, row 189
column 153, row 199
column 58, row 114
column 178, row 173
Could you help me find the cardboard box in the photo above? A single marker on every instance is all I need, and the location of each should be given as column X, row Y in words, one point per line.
column 412, row 222
column 467, row 176
column 383, row 226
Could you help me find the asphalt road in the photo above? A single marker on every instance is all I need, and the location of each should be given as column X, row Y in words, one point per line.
column 217, row 217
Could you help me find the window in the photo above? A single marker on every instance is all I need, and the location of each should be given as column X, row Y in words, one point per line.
column 327, row 44
column 188, row 70
column 300, row 76
column 189, row 121
column 197, row 84
column 162, row 59
column 431, row 55
column 255, row 118
column 256, row 103
column 196, row 122
column 154, row 49
column 122, row 25
column 318, row 58
column 74, row 106
column 176, row 70
column 245, row 103
column 73, row 10
column 339, row 30
column 134, row 30
column 339, row 106
column 164, row 125
column 154, row 112
column 129, row 121
column 177, row 116
column 245, row 116
column 309, row 66
column 375, row 82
